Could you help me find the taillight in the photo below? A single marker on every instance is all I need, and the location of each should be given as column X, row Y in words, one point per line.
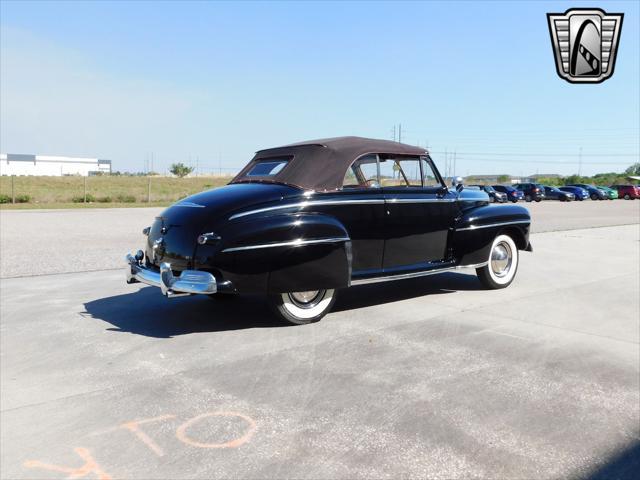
column 536, row 189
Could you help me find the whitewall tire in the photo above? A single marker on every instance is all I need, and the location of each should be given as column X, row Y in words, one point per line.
column 502, row 263
column 301, row 308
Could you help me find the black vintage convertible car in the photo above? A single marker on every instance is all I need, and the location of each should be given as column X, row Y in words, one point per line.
column 301, row 221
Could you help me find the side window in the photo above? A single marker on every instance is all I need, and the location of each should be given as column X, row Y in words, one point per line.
column 430, row 178
column 400, row 172
column 363, row 173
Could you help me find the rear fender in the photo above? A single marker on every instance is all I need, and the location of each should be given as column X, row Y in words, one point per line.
column 476, row 229
column 281, row 253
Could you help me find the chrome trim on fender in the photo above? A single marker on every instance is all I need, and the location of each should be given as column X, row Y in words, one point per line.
column 189, row 281
column 293, row 243
column 189, row 205
column 421, row 200
column 405, row 276
column 308, row 203
column 476, row 227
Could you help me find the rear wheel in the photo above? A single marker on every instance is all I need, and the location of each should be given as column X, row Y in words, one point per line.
column 502, row 265
column 626, row 196
column 300, row 308
column 527, row 198
column 594, row 196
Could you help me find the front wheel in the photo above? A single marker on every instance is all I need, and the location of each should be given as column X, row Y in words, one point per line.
column 626, row 196
column 594, row 196
column 501, row 268
column 300, row 308
column 538, row 200
column 527, row 198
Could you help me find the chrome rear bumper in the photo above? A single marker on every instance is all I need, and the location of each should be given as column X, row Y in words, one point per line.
column 189, row 281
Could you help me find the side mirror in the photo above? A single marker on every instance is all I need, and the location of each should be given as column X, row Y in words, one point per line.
column 457, row 183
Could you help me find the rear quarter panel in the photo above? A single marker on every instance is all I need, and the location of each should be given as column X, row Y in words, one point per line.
column 260, row 253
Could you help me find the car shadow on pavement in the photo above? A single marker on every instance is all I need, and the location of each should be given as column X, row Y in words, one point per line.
column 389, row 292
column 620, row 466
column 146, row 312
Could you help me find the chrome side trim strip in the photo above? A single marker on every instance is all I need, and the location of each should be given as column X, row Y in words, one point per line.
column 188, row 204
column 421, row 200
column 476, row 227
column 294, row 243
column 405, row 276
column 309, row 203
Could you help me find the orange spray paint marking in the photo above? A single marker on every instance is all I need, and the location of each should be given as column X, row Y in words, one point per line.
column 181, row 432
column 90, row 466
column 144, row 438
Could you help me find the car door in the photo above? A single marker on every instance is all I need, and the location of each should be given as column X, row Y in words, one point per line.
column 419, row 211
column 359, row 206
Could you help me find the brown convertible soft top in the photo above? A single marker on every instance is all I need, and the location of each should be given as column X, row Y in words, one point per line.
column 321, row 164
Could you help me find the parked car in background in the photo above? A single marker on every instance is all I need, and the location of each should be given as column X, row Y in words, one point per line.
column 301, row 221
column 494, row 196
column 554, row 193
column 580, row 193
column 610, row 193
column 628, row 192
column 532, row 191
column 512, row 194
column 594, row 192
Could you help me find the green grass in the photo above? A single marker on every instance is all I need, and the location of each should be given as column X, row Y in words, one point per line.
column 104, row 191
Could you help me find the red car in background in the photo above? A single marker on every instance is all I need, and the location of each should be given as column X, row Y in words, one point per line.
column 628, row 192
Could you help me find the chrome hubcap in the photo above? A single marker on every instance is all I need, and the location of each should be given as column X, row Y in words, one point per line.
column 305, row 299
column 501, row 259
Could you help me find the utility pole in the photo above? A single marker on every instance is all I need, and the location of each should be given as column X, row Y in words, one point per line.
column 446, row 164
column 454, row 163
column 13, row 189
column 399, row 133
column 85, row 189
column 580, row 162
column 394, row 132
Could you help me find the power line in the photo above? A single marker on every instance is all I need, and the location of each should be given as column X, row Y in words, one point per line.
column 501, row 154
column 548, row 162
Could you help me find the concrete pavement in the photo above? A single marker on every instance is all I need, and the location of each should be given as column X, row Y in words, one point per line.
column 429, row 377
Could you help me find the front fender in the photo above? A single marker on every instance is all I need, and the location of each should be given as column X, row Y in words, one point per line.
column 288, row 252
column 475, row 230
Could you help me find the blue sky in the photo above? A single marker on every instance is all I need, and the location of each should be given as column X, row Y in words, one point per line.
column 211, row 82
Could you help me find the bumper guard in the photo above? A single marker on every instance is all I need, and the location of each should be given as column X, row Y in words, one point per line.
column 189, row 282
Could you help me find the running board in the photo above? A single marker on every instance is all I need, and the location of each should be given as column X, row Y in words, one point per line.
column 405, row 276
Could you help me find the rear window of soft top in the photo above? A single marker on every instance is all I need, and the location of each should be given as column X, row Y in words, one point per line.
column 268, row 167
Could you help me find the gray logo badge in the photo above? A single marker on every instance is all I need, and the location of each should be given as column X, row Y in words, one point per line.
column 585, row 43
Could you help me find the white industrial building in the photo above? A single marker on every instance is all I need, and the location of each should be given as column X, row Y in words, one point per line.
column 20, row 164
